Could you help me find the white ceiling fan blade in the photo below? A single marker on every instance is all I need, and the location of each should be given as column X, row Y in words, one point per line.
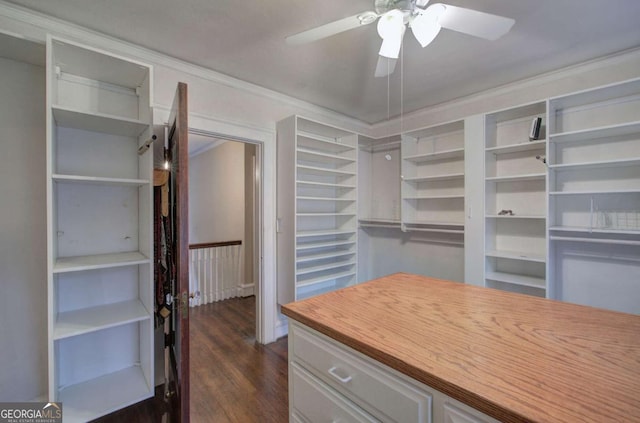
column 332, row 28
column 472, row 22
column 385, row 66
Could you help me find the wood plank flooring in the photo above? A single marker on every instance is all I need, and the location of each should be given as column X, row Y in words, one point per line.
column 233, row 379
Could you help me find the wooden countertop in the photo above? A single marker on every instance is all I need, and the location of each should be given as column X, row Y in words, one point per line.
column 513, row 357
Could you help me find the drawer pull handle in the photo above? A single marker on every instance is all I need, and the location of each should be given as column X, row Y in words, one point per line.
column 332, row 372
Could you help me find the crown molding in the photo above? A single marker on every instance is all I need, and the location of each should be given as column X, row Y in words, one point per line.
column 34, row 26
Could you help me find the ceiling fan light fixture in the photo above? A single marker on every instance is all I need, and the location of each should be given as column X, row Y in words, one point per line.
column 391, row 29
column 425, row 26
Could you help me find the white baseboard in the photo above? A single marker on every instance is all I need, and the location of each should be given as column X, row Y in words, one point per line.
column 246, row 289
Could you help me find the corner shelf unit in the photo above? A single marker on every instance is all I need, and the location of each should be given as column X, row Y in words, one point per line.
column 316, row 208
column 515, row 201
column 99, row 195
column 379, row 189
column 594, row 196
column 432, row 179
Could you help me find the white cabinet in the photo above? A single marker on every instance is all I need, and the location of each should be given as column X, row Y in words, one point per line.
column 316, row 208
column 329, row 381
column 433, row 179
column 99, row 195
column 515, row 201
column 594, row 196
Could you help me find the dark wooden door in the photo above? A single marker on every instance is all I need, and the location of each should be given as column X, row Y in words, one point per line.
column 179, row 217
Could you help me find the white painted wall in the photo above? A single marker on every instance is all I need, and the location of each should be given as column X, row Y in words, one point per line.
column 216, row 194
column 23, row 232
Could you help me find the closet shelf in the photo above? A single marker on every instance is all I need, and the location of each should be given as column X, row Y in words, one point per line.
column 434, row 223
column 332, row 254
column 326, row 199
column 91, row 319
column 443, row 177
column 325, row 278
column 324, row 267
column 306, row 234
column 84, row 401
column 597, row 192
column 609, row 131
column 436, row 197
column 440, row 155
column 518, row 147
column 97, row 180
column 99, row 261
column 314, row 155
column 325, row 185
column 596, row 165
column 523, row 216
column 584, row 229
column 517, row 178
column 309, row 140
column 313, row 170
column 302, row 246
column 517, row 255
column 515, row 279
column 97, row 122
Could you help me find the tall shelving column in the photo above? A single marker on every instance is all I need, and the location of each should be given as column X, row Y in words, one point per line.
column 100, row 239
column 433, row 179
column 594, row 196
column 515, row 201
column 317, row 208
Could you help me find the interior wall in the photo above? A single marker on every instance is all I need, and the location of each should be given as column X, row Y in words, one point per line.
column 23, row 232
column 217, row 195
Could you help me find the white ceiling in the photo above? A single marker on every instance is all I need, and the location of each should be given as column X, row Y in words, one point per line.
column 245, row 39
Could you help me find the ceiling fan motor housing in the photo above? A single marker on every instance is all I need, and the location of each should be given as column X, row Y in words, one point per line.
column 384, row 6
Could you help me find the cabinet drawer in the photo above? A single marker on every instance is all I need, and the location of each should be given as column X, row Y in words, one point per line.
column 314, row 402
column 372, row 387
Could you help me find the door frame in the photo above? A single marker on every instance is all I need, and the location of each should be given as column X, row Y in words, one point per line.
column 268, row 325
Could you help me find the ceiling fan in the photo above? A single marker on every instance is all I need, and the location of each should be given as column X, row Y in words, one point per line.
column 425, row 23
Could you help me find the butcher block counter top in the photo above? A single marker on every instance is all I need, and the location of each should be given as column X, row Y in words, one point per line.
column 513, row 357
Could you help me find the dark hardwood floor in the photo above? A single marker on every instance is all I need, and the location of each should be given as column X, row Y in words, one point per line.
column 233, row 378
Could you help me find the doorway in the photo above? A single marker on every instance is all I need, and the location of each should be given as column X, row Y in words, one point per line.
column 224, row 220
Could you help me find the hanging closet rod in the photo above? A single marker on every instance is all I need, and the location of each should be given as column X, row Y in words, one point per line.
column 595, row 240
column 443, row 231
column 380, row 225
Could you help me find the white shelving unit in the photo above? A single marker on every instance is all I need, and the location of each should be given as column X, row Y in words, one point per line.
column 432, row 173
column 515, row 201
column 100, row 275
column 316, row 208
column 594, row 196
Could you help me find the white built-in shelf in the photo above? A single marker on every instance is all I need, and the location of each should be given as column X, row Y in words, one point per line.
column 445, row 177
column 518, row 147
column 322, row 244
column 610, row 131
column 326, row 199
column 596, row 164
column 321, row 256
column 309, row 140
column 597, row 192
column 97, row 122
column 436, row 197
column 515, row 279
column 517, row 178
column 98, row 180
column 324, row 214
column 324, row 185
column 325, row 278
column 313, row 170
column 433, row 223
column 323, row 267
column 99, row 261
column 522, row 216
column 439, row 155
column 517, row 255
column 91, row 319
column 594, row 230
column 314, row 155
column 103, row 395
column 336, row 232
